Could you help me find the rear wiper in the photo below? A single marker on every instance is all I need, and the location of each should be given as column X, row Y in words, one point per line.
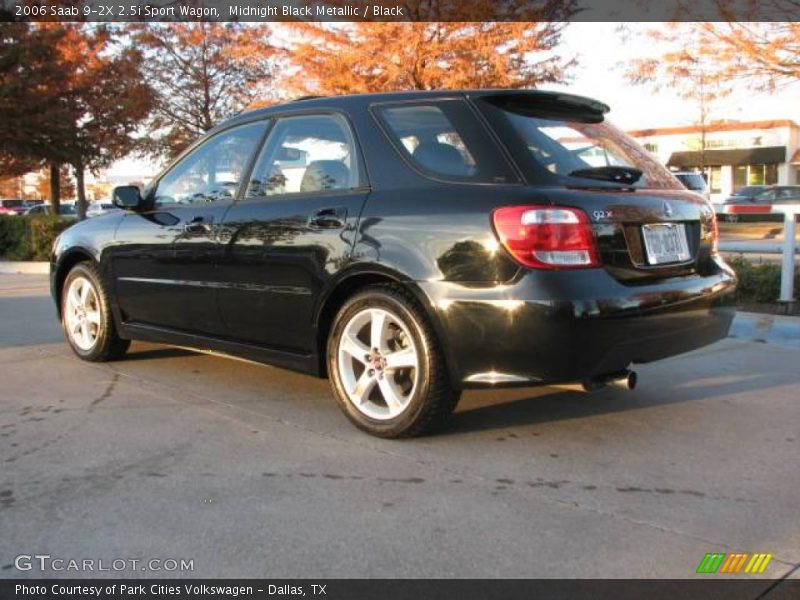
column 625, row 175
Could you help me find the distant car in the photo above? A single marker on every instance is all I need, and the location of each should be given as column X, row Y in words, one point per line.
column 13, row 207
column 695, row 182
column 779, row 194
column 99, row 208
column 746, row 194
column 755, row 201
column 65, row 210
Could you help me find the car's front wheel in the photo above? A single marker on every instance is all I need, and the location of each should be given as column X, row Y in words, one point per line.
column 86, row 316
column 386, row 366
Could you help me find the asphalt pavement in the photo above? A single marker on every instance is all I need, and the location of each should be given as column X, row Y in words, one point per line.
column 251, row 471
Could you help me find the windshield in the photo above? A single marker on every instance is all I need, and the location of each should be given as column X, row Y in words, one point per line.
column 750, row 190
column 572, row 147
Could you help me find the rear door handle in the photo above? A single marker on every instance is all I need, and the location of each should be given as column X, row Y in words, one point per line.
column 197, row 225
column 329, row 218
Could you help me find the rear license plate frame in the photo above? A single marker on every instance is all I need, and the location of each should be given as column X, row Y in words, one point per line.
column 665, row 243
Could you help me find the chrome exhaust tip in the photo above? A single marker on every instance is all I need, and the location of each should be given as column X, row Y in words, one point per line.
column 622, row 379
column 626, row 381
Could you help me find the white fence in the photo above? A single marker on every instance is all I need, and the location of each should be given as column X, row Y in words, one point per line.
column 788, row 248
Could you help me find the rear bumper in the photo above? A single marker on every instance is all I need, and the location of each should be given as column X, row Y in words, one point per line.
column 562, row 326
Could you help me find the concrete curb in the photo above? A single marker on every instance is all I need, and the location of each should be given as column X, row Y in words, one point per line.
column 769, row 329
column 24, row 267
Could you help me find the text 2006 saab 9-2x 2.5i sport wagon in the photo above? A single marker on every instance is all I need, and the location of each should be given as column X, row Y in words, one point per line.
column 407, row 246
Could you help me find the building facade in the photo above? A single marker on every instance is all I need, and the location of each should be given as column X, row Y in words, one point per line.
column 732, row 156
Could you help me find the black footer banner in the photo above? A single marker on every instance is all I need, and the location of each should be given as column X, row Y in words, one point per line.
column 384, row 589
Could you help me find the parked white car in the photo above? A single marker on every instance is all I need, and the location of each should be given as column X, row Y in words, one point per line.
column 100, row 207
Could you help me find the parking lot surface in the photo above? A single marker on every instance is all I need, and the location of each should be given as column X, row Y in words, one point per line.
column 251, row 471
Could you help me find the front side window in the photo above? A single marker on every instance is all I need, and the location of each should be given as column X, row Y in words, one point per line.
column 443, row 139
column 306, row 154
column 765, row 196
column 213, row 171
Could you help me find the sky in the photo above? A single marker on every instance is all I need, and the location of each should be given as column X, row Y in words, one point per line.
column 601, row 53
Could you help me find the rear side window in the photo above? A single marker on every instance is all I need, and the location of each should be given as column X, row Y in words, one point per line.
column 446, row 141
column 306, row 154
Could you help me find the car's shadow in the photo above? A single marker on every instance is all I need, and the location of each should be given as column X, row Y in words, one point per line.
column 497, row 409
column 500, row 409
column 139, row 353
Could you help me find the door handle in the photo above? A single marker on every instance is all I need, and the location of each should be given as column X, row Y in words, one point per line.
column 329, row 218
column 197, row 225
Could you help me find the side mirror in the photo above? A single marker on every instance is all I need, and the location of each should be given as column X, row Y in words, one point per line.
column 127, row 197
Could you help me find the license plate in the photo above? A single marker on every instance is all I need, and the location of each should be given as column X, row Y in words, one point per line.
column 665, row 243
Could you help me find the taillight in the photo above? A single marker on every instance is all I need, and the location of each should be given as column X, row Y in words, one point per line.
column 547, row 237
column 714, row 234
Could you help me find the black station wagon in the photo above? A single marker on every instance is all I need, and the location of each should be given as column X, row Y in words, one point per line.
column 407, row 246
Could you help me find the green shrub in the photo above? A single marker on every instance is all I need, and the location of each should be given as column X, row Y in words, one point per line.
column 29, row 237
column 759, row 283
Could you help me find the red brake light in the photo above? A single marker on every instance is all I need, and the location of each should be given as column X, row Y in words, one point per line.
column 547, row 237
column 714, row 234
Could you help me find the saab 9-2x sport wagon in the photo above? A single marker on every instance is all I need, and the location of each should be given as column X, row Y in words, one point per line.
column 407, row 246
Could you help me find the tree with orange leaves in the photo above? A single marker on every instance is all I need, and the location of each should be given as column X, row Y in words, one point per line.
column 765, row 55
column 376, row 57
column 107, row 96
column 66, row 183
column 69, row 94
column 32, row 112
column 203, row 73
column 687, row 65
column 755, row 43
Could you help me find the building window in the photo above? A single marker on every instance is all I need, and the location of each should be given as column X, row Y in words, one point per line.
column 715, row 179
column 739, row 177
column 651, row 147
column 744, row 175
column 770, row 174
column 755, row 175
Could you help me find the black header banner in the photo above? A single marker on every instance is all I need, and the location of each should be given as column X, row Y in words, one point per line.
column 399, row 10
column 404, row 589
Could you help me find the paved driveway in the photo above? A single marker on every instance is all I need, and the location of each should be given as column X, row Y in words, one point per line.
column 252, row 471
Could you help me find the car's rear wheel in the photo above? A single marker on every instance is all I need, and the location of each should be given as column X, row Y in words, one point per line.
column 386, row 367
column 86, row 316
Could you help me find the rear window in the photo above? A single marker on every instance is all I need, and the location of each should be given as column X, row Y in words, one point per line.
column 570, row 144
column 692, row 181
column 445, row 140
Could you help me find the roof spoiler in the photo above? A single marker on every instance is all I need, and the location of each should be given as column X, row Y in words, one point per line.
column 549, row 105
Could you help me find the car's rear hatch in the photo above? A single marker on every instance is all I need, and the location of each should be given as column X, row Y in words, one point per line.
column 646, row 224
column 646, row 234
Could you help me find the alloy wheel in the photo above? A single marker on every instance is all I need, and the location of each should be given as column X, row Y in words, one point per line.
column 82, row 313
column 378, row 363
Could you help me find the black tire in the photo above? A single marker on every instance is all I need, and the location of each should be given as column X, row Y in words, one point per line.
column 108, row 345
column 434, row 398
